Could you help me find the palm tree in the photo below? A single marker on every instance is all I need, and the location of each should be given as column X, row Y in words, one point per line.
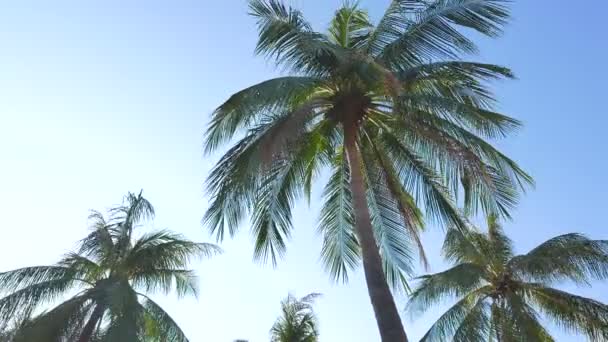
column 391, row 110
column 297, row 322
column 501, row 296
column 108, row 281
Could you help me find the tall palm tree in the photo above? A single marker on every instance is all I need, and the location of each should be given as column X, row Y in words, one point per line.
column 501, row 295
column 297, row 322
column 395, row 114
column 105, row 284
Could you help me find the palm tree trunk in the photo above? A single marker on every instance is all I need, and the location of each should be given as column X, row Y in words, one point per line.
column 387, row 316
column 89, row 328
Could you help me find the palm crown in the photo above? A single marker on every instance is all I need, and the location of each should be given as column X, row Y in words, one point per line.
column 394, row 114
column 501, row 295
column 297, row 322
column 111, row 274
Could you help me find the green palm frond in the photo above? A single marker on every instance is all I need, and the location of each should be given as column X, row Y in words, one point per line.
column 287, row 130
column 134, row 210
column 522, row 321
column 485, row 186
column 423, row 182
column 248, row 105
column 100, row 243
column 430, row 109
column 27, row 299
column 340, row 252
column 164, row 249
column 236, row 182
column 462, row 247
column 393, row 240
column 432, row 35
column 571, row 257
column 460, row 81
column 158, row 260
column 573, row 313
column 184, row 282
column 21, row 278
column 350, row 26
column 454, row 70
column 455, row 282
column 392, row 25
column 232, row 185
column 278, row 191
column 469, row 307
column 476, row 325
column 411, row 214
column 285, row 36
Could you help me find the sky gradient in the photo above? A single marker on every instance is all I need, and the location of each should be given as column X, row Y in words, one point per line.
column 98, row 98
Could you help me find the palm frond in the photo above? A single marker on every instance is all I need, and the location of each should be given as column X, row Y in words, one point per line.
column 389, row 226
column 410, row 213
column 460, row 247
column 281, row 184
column 455, row 282
column 423, row 182
column 236, row 180
column 432, row 34
column 571, row 257
column 444, row 329
column 285, row 36
column 23, row 277
column 464, row 82
column 350, row 26
column 184, row 282
column 521, row 321
column 232, row 184
column 489, row 180
column 159, row 260
column 457, row 111
column 83, row 268
column 458, row 70
column 391, row 26
column 476, row 325
column 271, row 223
column 99, row 244
column 246, row 106
column 486, row 151
column 27, row 299
column 501, row 245
column 135, row 209
column 573, row 313
column 340, row 252
column 287, row 130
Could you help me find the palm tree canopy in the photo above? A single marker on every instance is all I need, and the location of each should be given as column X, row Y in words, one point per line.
column 109, row 278
column 423, row 116
column 500, row 296
column 297, row 322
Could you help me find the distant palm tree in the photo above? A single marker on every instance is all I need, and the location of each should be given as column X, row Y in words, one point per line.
column 297, row 322
column 501, row 296
column 395, row 114
column 108, row 281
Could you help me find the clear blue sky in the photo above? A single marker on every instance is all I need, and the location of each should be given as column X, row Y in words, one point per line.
column 98, row 98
